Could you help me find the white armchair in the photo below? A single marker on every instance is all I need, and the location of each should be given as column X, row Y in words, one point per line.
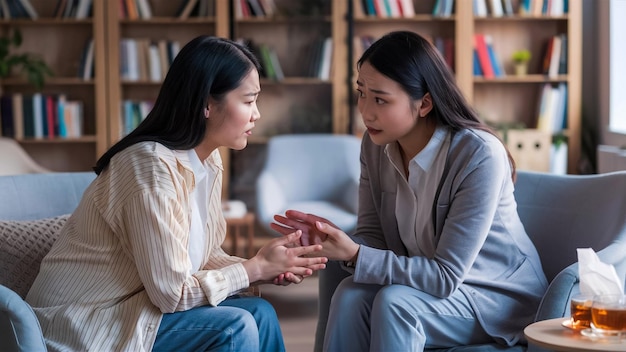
column 15, row 161
column 313, row 173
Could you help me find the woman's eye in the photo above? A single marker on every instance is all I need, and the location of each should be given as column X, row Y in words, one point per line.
column 359, row 93
column 379, row 101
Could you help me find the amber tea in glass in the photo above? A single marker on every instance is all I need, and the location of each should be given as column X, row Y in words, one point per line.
column 580, row 307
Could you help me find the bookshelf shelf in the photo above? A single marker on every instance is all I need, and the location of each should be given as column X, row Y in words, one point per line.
column 529, row 78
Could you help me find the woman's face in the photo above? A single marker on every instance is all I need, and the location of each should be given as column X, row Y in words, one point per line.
column 388, row 112
column 231, row 121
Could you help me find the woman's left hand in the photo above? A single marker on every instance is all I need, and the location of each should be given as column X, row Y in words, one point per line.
column 286, row 279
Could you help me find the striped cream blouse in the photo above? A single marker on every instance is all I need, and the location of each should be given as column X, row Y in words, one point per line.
column 121, row 260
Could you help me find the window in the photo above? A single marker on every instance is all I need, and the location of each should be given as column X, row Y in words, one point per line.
column 617, row 80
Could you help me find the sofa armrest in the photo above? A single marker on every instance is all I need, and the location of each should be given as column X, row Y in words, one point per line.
column 19, row 327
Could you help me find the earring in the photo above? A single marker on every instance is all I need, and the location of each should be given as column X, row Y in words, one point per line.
column 206, row 113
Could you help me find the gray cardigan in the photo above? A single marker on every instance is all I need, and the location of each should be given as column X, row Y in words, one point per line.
column 481, row 247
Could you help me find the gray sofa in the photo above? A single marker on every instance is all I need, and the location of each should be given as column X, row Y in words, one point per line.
column 33, row 207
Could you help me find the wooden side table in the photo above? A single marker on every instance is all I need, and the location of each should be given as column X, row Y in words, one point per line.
column 551, row 335
column 241, row 227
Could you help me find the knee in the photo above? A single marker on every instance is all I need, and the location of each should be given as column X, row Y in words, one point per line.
column 388, row 301
column 263, row 310
column 243, row 330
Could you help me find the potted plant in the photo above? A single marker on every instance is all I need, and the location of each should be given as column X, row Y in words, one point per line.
column 520, row 60
column 33, row 67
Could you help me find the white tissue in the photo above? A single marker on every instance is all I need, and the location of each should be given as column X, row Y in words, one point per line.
column 596, row 277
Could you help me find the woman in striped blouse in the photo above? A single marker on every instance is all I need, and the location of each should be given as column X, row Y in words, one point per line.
column 139, row 265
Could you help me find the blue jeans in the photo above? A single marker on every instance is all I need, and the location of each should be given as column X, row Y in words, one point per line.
column 237, row 324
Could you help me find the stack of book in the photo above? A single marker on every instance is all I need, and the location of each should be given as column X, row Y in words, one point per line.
column 40, row 116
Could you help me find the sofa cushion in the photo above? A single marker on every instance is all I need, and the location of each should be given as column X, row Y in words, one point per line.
column 23, row 244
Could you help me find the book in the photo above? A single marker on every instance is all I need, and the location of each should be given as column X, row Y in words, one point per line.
column 480, row 8
column 476, row 66
column 483, row 56
column 186, row 11
column 407, row 7
column 61, row 99
column 371, row 7
column 83, row 9
column 326, row 59
column 154, row 62
column 51, row 116
column 131, row 8
column 278, row 70
column 145, row 11
column 29, row 117
column 87, row 63
column 496, row 8
column 563, row 56
column 555, row 55
column 266, row 61
column 498, row 71
column 18, row 115
column 547, row 55
column 6, row 115
column 38, row 115
column 28, row 9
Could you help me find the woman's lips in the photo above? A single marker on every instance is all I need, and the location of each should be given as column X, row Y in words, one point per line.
column 373, row 130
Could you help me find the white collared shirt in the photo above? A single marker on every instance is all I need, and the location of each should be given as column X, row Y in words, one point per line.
column 416, row 195
column 204, row 177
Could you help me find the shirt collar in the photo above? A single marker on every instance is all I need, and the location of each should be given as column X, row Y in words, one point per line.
column 426, row 157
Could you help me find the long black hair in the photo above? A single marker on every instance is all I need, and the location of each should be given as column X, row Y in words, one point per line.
column 206, row 67
column 414, row 63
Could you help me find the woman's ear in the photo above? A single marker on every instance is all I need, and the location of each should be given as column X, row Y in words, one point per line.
column 426, row 105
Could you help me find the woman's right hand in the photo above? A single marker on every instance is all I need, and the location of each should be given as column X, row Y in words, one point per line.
column 297, row 220
column 282, row 255
column 337, row 245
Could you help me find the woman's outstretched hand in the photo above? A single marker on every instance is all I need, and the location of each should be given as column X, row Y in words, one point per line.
column 284, row 256
column 297, row 220
column 337, row 245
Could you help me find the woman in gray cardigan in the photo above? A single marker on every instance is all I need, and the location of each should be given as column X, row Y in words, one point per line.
column 439, row 257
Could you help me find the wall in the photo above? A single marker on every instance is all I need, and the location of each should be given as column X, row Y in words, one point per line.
column 596, row 75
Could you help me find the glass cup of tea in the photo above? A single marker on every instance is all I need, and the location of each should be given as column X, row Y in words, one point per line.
column 608, row 316
column 580, row 307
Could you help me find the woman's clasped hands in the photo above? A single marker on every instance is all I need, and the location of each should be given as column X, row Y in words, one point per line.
column 282, row 261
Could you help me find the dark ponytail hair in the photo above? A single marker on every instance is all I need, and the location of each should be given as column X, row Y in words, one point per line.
column 206, row 67
column 415, row 64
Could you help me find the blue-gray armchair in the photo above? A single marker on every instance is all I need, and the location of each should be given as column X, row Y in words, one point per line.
column 33, row 209
column 314, row 173
column 560, row 213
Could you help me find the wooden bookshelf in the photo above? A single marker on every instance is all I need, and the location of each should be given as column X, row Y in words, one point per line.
column 301, row 102
column 503, row 100
column 299, row 96
column 60, row 42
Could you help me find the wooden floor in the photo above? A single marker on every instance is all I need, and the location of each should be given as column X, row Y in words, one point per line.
column 296, row 306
